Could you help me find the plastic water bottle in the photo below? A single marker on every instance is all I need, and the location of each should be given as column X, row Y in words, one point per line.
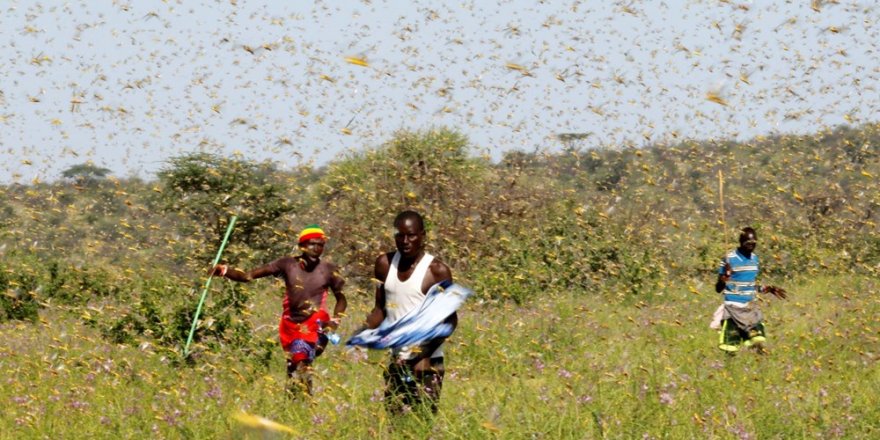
column 333, row 338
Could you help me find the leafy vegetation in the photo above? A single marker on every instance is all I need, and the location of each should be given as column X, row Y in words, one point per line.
column 593, row 271
column 206, row 191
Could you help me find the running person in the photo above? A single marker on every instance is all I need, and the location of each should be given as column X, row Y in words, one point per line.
column 741, row 322
column 415, row 375
column 307, row 279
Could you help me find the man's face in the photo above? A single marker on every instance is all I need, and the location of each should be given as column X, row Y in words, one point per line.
column 409, row 238
column 749, row 241
column 313, row 247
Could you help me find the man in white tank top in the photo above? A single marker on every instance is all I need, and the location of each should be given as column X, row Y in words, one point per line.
column 415, row 375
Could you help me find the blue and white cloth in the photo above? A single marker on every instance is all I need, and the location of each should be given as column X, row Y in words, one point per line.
column 420, row 324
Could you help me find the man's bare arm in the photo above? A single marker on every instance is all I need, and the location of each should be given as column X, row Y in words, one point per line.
column 229, row 272
column 380, row 273
column 341, row 304
column 341, row 301
column 377, row 315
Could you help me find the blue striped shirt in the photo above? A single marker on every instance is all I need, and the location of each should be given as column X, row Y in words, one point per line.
column 741, row 287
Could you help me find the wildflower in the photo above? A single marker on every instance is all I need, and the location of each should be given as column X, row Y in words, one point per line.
column 539, row 365
column 173, row 418
column 76, row 404
column 214, row 393
column 358, row 355
column 837, row 431
column 666, row 398
column 565, row 374
column 585, row 399
column 741, row 433
column 543, row 397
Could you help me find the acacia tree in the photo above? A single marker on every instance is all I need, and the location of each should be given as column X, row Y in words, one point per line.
column 205, row 191
column 85, row 174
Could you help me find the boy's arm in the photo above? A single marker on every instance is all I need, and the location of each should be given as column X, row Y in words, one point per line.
column 775, row 291
column 723, row 276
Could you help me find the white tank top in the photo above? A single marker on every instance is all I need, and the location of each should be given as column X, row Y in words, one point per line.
column 403, row 296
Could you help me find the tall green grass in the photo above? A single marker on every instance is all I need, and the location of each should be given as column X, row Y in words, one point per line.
column 563, row 365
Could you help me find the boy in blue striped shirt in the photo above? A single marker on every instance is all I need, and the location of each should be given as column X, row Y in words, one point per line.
column 741, row 320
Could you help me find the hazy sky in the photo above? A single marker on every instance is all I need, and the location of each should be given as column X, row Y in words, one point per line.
column 128, row 85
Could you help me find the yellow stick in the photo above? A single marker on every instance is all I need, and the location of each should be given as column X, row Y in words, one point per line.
column 721, row 195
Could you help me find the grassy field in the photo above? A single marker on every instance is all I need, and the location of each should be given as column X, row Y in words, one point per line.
column 567, row 365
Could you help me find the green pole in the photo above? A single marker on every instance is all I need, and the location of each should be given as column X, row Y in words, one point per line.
column 192, row 330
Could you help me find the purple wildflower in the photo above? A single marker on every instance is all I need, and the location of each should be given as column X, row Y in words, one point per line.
column 77, row 404
column 539, row 365
column 214, row 393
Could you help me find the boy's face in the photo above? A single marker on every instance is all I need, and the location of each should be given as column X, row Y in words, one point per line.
column 749, row 241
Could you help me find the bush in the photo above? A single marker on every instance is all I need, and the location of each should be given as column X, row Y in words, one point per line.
column 19, row 288
column 76, row 286
column 162, row 309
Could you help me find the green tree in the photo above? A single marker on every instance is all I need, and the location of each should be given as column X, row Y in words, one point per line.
column 85, row 174
column 428, row 171
column 205, row 191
